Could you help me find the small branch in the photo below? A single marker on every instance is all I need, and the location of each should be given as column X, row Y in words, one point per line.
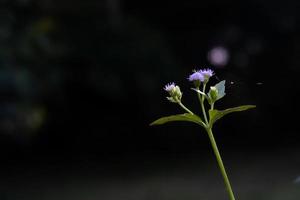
column 185, row 108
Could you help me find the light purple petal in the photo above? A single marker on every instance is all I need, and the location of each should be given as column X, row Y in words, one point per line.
column 196, row 76
column 169, row 87
column 207, row 72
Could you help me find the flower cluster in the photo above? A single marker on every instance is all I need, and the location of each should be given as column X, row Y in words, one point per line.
column 201, row 76
column 197, row 77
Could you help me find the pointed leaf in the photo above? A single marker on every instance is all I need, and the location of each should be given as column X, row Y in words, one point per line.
column 180, row 117
column 221, row 89
column 215, row 115
column 198, row 91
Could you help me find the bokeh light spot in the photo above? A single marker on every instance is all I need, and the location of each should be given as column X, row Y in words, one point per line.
column 218, row 56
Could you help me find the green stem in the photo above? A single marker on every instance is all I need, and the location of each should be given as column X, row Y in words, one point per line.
column 201, row 99
column 185, row 108
column 220, row 163
column 212, row 106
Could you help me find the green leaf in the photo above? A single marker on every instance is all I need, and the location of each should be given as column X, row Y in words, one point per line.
column 221, row 89
column 215, row 115
column 180, row 117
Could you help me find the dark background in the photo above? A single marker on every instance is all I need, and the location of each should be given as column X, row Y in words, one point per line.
column 80, row 81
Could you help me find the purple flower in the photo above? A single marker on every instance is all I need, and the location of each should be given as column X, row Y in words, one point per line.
column 174, row 92
column 196, row 76
column 169, row 87
column 207, row 73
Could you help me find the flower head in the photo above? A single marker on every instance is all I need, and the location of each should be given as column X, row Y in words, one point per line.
column 169, row 87
column 207, row 73
column 196, row 76
column 174, row 92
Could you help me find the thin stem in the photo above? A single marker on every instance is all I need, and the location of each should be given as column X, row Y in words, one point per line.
column 220, row 163
column 185, row 108
column 201, row 99
column 212, row 106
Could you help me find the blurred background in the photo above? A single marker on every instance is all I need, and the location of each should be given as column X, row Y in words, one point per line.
column 80, row 81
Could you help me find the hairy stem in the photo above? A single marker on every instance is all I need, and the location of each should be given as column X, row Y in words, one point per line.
column 220, row 163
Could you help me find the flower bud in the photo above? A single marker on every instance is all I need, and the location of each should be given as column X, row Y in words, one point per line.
column 213, row 94
column 174, row 92
column 177, row 93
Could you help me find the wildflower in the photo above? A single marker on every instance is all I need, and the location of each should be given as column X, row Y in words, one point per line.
column 206, row 73
column 169, row 87
column 196, row 77
column 210, row 116
column 174, row 92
